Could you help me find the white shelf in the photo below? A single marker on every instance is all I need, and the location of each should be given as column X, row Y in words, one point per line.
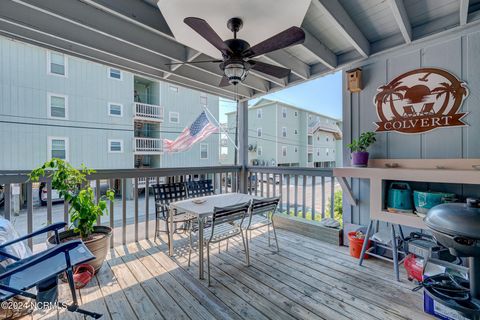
column 453, row 171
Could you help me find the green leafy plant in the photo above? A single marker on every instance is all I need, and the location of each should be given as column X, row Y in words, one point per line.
column 72, row 186
column 365, row 140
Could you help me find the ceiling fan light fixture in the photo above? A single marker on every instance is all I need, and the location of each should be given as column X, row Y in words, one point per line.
column 235, row 72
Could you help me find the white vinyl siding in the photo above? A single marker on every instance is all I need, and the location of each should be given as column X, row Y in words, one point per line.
column 58, row 148
column 173, row 117
column 115, row 109
column 203, row 151
column 57, row 106
column 115, row 146
column 56, row 63
column 115, row 74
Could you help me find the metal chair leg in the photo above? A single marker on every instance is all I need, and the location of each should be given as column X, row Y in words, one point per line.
column 365, row 242
column 208, row 263
column 245, row 246
column 268, row 233
column 156, row 230
column 275, row 235
column 191, row 249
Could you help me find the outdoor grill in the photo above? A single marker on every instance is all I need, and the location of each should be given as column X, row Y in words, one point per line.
column 457, row 227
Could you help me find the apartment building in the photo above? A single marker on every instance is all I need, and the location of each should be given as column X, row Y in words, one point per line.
column 284, row 135
column 55, row 105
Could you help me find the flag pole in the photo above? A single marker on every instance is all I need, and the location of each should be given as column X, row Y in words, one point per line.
column 220, row 127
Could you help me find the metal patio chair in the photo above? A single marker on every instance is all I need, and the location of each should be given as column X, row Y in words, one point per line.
column 42, row 270
column 223, row 228
column 164, row 195
column 261, row 215
column 200, row 188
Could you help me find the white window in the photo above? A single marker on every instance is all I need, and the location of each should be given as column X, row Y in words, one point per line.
column 259, row 132
column 56, row 63
column 57, row 106
column 259, row 151
column 173, row 88
column 173, row 117
column 115, row 109
column 296, row 149
column 284, row 151
column 295, row 131
column 203, row 151
column 296, row 113
column 115, row 146
column 326, row 139
column 318, row 138
column 326, row 151
column 203, row 99
column 309, row 117
column 115, row 74
column 58, row 148
column 259, row 113
column 318, row 152
column 284, row 112
column 284, row 132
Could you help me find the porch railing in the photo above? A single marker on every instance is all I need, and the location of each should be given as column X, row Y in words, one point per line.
column 147, row 111
column 147, row 145
column 132, row 212
column 303, row 192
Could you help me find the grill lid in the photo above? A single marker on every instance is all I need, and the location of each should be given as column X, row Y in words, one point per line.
column 456, row 219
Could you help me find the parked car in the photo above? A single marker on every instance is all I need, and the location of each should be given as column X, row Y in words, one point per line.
column 42, row 193
column 252, row 182
column 270, row 178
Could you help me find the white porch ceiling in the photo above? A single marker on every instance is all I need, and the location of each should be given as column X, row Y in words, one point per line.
column 282, row 14
column 139, row 37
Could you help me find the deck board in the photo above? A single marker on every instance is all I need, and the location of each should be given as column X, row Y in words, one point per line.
column 307, row 279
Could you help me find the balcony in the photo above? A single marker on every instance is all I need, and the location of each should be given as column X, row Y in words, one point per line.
column 308, row 279
column 147, row 146
column 147, row 112
column 310, row 148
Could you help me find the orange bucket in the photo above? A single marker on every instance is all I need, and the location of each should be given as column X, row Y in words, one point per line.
column 356, row 245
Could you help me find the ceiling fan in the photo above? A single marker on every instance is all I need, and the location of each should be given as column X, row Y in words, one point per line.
column 237, row 53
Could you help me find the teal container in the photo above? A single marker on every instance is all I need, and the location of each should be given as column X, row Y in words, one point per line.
column 425, row 200
column 399, row 197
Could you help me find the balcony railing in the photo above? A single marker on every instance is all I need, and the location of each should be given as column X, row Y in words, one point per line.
column 304, row 192
column 131, row 214
column 147, row 146
column 147, row 112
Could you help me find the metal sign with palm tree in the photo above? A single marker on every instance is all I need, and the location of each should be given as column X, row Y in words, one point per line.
column 420, row 100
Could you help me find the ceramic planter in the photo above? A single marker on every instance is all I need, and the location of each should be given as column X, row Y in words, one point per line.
column 99, row 245
column 359, row 159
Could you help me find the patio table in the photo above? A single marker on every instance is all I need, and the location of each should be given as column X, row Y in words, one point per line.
column 202, row 211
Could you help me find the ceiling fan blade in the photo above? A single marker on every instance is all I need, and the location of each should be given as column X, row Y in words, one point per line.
column 270, row 69
column 205, row 30
column 193, row 62
column 224, row 82
column 284, row 39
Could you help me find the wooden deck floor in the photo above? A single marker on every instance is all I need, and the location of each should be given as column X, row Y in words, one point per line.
column 308, row 279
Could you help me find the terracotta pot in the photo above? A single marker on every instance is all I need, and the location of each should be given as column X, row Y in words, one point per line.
column 98, row 246
column 360, row 159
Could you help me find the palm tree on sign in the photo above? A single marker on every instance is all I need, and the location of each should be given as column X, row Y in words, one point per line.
column 448, row 89
column 389, row 93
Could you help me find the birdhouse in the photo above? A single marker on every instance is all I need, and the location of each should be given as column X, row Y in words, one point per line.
column 354, row 80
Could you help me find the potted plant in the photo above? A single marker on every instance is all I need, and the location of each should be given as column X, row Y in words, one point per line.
column 359, row 149
column 72, row 186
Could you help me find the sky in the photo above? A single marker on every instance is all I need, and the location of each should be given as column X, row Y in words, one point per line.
column 322, row 95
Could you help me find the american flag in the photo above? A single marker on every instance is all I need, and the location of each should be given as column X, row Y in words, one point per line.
column 200, row 129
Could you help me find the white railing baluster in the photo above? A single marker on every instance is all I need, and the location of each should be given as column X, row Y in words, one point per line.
column 111, row 214
column 323, row 197
column 135, row 203
column 313, row 197
column 147, row 111
column 296, row 195
column 304, row 197
column 288, row 194
column 332, row 196
column 124, row 211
